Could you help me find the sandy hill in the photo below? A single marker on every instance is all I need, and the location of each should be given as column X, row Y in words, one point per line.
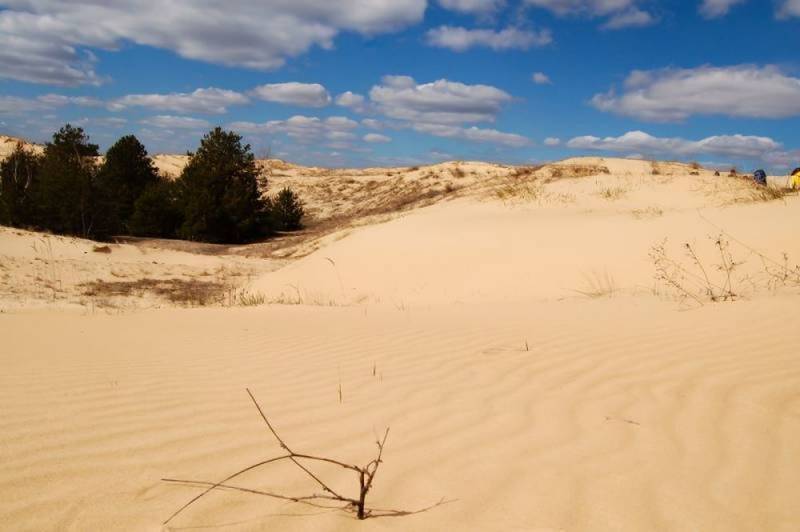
column 591, row 345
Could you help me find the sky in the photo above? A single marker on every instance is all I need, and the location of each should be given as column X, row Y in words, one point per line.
column 390, row 82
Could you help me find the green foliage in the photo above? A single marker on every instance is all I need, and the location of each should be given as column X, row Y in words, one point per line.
column 220, row 194
column 287, row 210
column 67, row 197
column 157, row 211
column 19, row 179
column 216, row 199
column 125, row 174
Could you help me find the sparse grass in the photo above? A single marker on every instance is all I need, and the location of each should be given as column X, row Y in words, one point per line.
column 649, row 212
column 458, row 172
column 597, row 285
column 186, row 292
column 612, row 193
column 244, row 298
column 767, row 193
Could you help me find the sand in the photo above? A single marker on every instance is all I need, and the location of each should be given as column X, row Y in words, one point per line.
column 513, row 333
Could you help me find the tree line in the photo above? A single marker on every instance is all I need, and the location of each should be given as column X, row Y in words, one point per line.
column 217, row 197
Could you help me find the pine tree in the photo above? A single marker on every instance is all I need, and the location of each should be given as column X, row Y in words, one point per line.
column 66, row 196
column 220, row 194
column 287, row 210
column 126, row 172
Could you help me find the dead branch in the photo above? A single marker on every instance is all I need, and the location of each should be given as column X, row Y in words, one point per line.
column 366, row 476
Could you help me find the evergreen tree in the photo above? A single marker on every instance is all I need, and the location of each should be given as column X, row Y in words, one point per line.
column 220, row 194
column 126, row 172
column 287, row 210
column 66, row 196
column 19, row 179
column 157, row 212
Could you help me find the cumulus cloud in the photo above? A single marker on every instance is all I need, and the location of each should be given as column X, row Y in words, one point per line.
column 47, row 41
column 717, row 8
column 294, row 93
column 473, row 134
column 439, row 102
column 620, row 13
column 552, row 141
column 462, row 39
column 472, row 6
column 301, row 128
column 676, row 94
column 737, row 146
column 176, row 122
column 210, row 100
column 540, row 78
column 352, row 100
column 443, row 107
column 376, row 138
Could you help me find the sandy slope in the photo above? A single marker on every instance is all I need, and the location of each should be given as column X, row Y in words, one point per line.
column 513, row 335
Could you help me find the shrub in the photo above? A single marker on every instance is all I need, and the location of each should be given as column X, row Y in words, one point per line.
column 220, row 195
column 287, row 210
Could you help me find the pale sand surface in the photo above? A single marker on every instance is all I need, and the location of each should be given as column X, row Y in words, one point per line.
column 511, row 332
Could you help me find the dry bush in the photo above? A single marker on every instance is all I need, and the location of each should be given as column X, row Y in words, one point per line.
column 329, row 498
column 191, row 292
column 694, row 165
column 457, row 172
column 655, row 168
column 701, row 280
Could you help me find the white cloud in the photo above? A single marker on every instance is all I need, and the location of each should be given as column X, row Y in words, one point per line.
column 352, row 100
column 210, row 100
column 621, row 13
column 371, row 123
column 552, row 141
column 294, row 93
column 461, row 39
column 632, row 18
column 735, row 146
column 46, row 41
column 676, row 94
column 176, row 122
column 376, row 138
column 13, row 105
column 789, row 8
column 472, row 6
column 717, row 8
column 439, row 102
column 540, row 78
column 301, row 128
column 473, row 134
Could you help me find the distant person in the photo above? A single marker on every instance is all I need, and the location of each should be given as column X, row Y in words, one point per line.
column 794, row 182
column 760, row 177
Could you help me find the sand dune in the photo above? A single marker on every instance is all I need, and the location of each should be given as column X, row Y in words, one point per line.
column 511, row 331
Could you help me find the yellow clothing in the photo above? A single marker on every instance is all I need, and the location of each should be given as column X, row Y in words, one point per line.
column 795, row 181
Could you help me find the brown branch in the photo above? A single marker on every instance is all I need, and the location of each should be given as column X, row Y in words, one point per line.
column 366, row 477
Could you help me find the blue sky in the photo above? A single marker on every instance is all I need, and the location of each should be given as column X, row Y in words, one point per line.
column 380, row 82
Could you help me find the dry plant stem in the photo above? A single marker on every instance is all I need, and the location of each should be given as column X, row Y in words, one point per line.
column 366, row 477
